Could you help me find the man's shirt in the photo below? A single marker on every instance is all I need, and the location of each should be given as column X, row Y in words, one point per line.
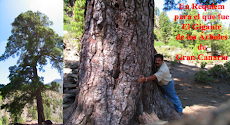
column 163, row 75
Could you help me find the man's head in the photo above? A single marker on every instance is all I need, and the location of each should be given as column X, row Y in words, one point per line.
column 158, row 59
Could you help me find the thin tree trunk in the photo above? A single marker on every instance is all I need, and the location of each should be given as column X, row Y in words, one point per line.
column 41, row 117
column 40, row 112
column 117, row 47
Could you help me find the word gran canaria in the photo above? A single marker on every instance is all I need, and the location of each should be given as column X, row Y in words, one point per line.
column 201, row 57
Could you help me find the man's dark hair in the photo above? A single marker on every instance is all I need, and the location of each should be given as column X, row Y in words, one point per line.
column 159, row 56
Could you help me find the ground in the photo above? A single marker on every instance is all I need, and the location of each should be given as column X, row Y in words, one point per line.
column 195, row 96
column 28, row 118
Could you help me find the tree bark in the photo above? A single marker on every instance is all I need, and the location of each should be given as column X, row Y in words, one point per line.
column 40, row 110
column 117, row 47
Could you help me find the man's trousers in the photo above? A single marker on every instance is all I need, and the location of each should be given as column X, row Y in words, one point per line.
column 169, row 91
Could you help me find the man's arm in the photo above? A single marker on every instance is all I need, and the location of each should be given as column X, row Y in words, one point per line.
column 146, row 79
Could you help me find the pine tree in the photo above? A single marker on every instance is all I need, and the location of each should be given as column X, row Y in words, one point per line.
column 176, row 29
column 191, row 22
column 78, row 23
column 165, row 26
column 224, row 45
column 35, row 43
column 215, row 44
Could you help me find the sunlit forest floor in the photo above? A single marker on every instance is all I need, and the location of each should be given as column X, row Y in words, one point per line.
column 195, row 96
column 29, row 114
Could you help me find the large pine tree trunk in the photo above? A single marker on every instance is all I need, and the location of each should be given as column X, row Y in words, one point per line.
column 117, row 47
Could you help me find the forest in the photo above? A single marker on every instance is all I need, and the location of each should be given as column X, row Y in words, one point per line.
column 166, row 30
column 203, row 31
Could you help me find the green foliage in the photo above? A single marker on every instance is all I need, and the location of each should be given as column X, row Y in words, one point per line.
column 66, row 17
column 176, row 29
column 216, row 45
column 167, row 56
column 60, row 120
column 219, row 71
column 227, row 66
column 157, row 34
column 17, row 118
column 206, row 61
column 175, row 61
column 167, row 36
column 186, row 51
column 175, row 43
column 60, row 102
column 73, row 15
column 67, row 20
column 79, row 20
column 68, row 6
column 165, row 26
column 0, row 121
column 203, row 64
column 60, row 115
column 46, row 100
column 47, row 111
column 5, row 120
column 67, row 27
column 162, row 49
column 54, row 86
column 225, row 44
column 34, row 113
column 196, row 52
column 159, row 44
column 54, row 105
column 20, row 120
column 16, row 106
column 30, row 110
column 202, row 76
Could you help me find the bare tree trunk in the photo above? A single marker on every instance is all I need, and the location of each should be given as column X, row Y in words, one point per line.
column 41, row 117
column 117, row 47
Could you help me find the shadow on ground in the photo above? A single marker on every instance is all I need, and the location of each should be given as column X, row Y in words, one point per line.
column 196, row 96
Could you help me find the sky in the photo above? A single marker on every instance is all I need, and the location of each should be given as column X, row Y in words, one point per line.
column 9, row 10
column 172, row 13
